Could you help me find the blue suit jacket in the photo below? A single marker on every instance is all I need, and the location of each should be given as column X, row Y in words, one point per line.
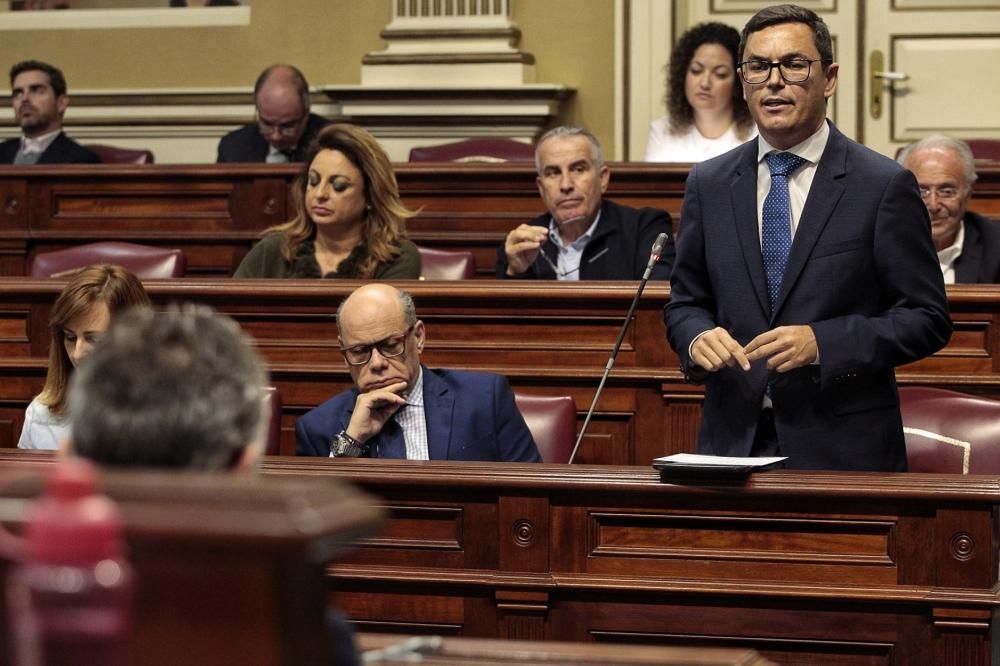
column 469, row 416
column 862, row 272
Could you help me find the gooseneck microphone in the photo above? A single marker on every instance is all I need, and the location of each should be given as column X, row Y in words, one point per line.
column 654, row 256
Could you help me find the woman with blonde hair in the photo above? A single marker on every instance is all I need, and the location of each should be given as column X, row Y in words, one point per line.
column 349, row 222
column 81, row 313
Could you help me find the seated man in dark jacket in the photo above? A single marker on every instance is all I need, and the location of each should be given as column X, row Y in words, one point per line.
column 400, row 409
column 967, row 244
column 284, row 127
column 582, row 236
column 38, row 94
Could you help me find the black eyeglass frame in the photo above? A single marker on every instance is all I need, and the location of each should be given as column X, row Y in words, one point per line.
column 378, row 345
column 781, row 72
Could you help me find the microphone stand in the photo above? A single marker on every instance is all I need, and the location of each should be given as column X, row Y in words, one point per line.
column 661, row 240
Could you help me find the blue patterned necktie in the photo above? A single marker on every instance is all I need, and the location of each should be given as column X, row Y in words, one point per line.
column 776, row 220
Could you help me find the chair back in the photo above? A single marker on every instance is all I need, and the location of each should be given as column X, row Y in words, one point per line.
column 446, row 264
column 145, row 261
column 116, row 155
column 950, row 432
column 476, row 150
column 985, row 149
column 273, row 405
column 552, row 422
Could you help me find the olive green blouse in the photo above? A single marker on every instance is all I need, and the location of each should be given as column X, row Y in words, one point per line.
column 265, row 261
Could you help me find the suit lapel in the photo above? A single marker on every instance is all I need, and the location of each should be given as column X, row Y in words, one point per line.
column 439, row 405
column 824, row 193
column 744, row 205
column 967, row 263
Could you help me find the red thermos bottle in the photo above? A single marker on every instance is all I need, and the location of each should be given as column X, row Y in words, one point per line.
column 70, row 596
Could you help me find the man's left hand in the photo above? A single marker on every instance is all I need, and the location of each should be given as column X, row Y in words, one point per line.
column 785, row 348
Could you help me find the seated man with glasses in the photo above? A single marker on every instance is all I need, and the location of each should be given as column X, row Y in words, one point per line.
column 400, row 409
column 284, row 127
column 967, row 244
column 583, row 236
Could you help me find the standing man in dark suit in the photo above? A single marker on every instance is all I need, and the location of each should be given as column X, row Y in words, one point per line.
column 284, row 127
column 582, row 236
column 967, row 244
column 804, row 278
column 38, row 93
column 400, row 409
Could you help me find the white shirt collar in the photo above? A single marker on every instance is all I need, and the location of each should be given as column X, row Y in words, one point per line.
column 947, row 256
column 40, row 143
column 811, row 149
column 580, row 242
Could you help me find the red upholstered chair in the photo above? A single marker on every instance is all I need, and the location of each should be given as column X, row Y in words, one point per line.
column 985, row 149
column 145, row 261
column 273, row 405
column 476, row 150
column 950, row 432
column 552, row 422
column 116, row 155
column 446, row 264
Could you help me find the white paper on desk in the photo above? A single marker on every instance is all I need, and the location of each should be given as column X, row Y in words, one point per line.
column 729, row 461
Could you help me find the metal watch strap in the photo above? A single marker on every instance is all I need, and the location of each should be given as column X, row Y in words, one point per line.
column 343, row 445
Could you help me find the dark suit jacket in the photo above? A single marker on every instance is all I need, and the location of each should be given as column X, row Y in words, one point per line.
column 859, row 272
column 62, row 150
column 469, row 416
column 980, row 258
column 246, row 144
column 619, row 249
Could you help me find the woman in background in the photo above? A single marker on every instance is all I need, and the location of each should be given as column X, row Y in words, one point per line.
column 706, row 112
column 349, row 222
column 81, row 313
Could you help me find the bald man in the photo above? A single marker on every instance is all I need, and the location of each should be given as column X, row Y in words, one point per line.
column 284, row 127
column 398, row 408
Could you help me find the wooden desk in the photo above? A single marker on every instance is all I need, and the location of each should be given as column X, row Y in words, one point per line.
column 215, row 212
column 213, row 587
column 806, row 568
column 547, row 338
column 482, row 652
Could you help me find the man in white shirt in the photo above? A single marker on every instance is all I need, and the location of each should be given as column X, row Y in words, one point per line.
column 38, row 94
column 967, row 244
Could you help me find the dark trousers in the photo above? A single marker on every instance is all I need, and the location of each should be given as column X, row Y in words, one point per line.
column 765, row 441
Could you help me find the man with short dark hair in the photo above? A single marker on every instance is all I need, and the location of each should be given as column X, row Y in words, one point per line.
column 38, row 94
column 805, row 271
column 967, row 244
column 284, row 127
column 583, row 236
column 400, row 409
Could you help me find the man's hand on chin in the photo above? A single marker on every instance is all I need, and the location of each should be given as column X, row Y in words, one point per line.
column 373, row 408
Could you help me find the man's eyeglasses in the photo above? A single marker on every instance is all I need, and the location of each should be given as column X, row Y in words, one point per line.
column 792, row 70
column 284, row 129
column 389, row 347
column 943, row 193
column 555, row 268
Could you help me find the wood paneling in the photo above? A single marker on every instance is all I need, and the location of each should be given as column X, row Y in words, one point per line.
column 216, row 212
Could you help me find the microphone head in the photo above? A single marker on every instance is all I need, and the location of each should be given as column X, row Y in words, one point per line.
column 658, row 244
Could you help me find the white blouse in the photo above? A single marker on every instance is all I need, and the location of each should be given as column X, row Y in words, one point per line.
column 691, row 146
column 42, row 430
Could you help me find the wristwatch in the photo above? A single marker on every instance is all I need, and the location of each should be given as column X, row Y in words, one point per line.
column 343, row 445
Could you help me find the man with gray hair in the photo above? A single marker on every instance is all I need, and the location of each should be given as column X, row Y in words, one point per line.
column 967, row 244
column 176, row 389
column 582, row 236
